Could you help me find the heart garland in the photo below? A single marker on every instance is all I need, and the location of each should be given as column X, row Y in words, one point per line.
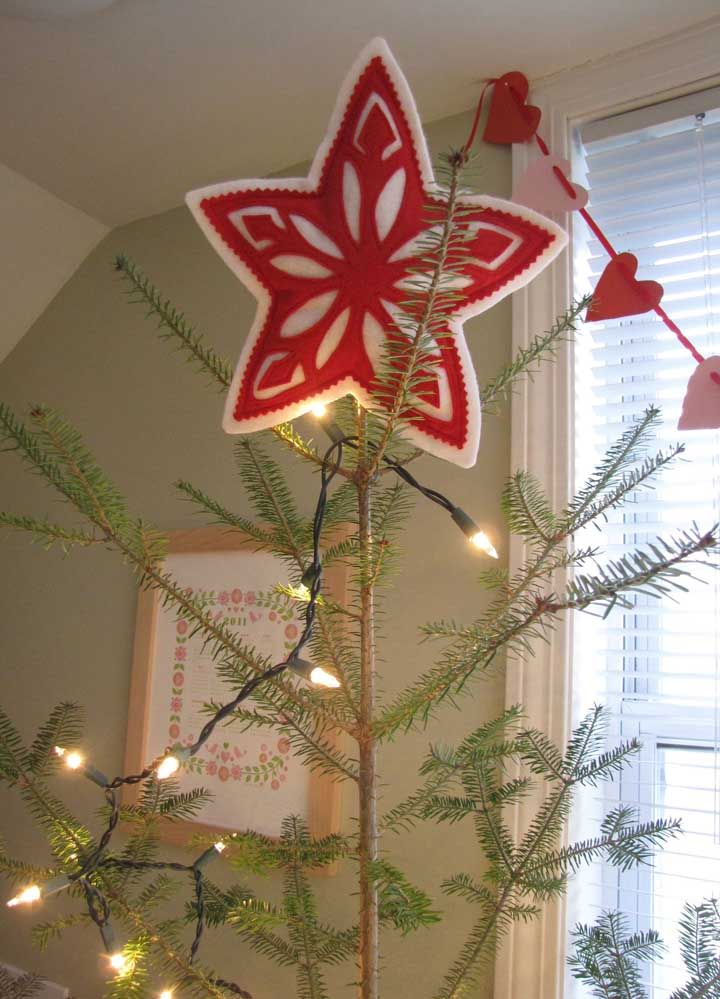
column 546, row 186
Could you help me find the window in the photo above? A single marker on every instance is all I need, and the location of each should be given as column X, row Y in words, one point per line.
column 654, row 178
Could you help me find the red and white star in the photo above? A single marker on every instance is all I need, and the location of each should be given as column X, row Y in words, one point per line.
column 328, row 258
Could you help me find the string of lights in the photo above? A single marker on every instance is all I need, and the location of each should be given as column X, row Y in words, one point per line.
column 477, row 537
column 174, row 757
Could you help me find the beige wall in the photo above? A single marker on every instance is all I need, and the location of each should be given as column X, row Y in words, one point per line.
column 66, row 624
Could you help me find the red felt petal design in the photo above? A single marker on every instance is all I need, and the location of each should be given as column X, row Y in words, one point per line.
column 327, row 256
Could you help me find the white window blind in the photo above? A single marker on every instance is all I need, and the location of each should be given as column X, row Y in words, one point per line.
column 654, row 181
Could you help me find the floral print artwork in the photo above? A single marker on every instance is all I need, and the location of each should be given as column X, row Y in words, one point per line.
column 257, row 762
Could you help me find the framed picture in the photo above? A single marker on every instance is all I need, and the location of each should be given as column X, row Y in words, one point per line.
column 253, row 775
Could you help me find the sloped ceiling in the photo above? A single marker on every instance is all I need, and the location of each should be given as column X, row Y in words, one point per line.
column 42, row 241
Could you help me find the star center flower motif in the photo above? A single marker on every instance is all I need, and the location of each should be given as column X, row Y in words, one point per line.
column 328, row 258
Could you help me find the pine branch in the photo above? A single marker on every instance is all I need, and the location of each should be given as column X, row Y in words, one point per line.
column 48, row 534
column 543, row 348
column 63, row 727
column 400, row 902
column 699, row 936
column 527, row 510
column 625, row 452
column 172, row 325
column 607, row 957
column 628, row 483
column 220, row 515
column 436, row 266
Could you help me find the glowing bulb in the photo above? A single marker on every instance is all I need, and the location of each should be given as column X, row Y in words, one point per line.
column 318, row 410
column 73, row 760
column 322, row 678
column 166, row 994
column 167, row 767
column 219, row 846
column 482, row 542
column 27, row 895
column 119, row 962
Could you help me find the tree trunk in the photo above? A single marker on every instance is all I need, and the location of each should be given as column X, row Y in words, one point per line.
column 369, row 944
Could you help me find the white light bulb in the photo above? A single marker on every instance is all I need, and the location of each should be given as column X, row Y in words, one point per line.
column 220, row 846
column 27, row 895
column 167, row 767
column 73, row 760
column 321, row 678
column 482, row 542
column 318, row 410
column 119, row 962
column 166, row 994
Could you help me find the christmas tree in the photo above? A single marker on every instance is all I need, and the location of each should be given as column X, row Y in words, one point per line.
column 153, row 914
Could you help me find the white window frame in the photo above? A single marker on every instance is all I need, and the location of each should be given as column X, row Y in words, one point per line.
column 531, row 961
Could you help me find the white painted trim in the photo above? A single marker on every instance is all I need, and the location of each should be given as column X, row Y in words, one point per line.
column 531, row 963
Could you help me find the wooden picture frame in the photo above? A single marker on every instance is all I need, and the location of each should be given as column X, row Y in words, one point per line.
column 143, row 742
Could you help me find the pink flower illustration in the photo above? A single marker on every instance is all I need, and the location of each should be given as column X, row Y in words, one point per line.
column 174, row 731
column 283, row 776
column 263, row 757
column 182, row 627
column 224, row 597
column 180, row 652
column 236, row 596
column 223, row 773
column 273, row 616
column 291, row 630
column 176, row 703
column 211, row 768
column 250, row 597
column 178, row 679
column 237, row 772
column 275, row 785
column 283, row 745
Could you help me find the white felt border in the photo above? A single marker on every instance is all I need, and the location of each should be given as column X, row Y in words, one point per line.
column 464, row 456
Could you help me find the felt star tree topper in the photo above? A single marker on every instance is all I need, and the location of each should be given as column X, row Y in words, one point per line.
column 328, row 258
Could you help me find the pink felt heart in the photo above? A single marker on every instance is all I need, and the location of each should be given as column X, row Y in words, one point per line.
column 541, row 188
column 618, row 293
column 510, row 119
column 701, row 405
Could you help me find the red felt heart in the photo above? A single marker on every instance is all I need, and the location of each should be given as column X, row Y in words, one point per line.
column 510, row 119
column 619, row 294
